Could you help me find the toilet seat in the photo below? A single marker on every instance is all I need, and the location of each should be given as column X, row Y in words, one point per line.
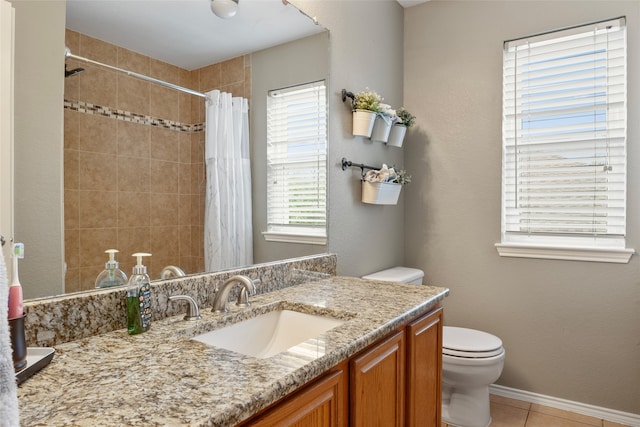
column 469, row 343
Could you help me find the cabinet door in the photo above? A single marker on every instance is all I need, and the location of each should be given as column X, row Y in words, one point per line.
column 424, row 370
column 322, row 404
column 377, row 384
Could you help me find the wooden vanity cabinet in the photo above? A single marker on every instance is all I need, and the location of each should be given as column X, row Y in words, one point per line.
column 394, row 382
column 377, row 384
column 424, row 370
column 323, row 403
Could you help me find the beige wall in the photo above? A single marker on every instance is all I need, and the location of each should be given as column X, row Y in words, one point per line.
column 571, row 329
column 38, row 133
column 365, row 50
column 133, row 186
column 304, row 60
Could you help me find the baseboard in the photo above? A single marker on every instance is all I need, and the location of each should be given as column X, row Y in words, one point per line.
column 567, row 405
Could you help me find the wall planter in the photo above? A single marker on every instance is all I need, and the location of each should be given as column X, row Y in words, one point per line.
column 381, row 128
column 396, row 136
column 363, row 121
column 380, row 193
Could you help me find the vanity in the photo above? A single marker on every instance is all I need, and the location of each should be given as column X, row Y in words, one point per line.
column 382, row 361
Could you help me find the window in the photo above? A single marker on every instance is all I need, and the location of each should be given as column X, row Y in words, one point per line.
column 297, row 164
column 564, row 144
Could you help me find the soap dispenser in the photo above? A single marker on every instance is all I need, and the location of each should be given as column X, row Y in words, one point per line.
column 139, row 298
column 111, row 275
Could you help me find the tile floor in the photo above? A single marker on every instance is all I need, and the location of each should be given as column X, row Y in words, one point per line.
column 507, row 412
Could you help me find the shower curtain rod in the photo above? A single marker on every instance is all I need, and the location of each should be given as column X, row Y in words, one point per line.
column 68, row 54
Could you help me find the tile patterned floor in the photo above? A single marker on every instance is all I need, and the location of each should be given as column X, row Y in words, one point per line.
column 507, row 412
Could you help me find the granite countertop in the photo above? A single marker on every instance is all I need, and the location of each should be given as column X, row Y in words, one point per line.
column 161, row 377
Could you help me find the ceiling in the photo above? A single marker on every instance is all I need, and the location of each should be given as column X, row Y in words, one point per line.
column 186, row 33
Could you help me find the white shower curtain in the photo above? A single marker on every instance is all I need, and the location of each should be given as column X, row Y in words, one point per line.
column 228, row 238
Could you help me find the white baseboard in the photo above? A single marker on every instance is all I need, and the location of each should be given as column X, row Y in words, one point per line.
column 627, row 418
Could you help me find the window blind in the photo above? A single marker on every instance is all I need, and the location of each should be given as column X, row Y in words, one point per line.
column 564, row 136
column 296, row 160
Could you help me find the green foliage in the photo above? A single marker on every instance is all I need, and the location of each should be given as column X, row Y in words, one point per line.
column 406, row 117
column 402, row 177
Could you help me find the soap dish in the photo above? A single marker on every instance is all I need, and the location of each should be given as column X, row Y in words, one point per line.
column 37, row 358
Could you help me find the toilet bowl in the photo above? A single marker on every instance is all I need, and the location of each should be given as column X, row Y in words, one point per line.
column 471, row 361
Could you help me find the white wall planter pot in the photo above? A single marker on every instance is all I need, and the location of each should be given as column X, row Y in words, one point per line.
column 396, row 136
column 363, row 121
column 380, row 193
column 381, row 128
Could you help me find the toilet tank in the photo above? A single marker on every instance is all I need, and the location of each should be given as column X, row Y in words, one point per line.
column 412, row 276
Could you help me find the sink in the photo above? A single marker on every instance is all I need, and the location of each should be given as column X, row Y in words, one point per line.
column 269, row 334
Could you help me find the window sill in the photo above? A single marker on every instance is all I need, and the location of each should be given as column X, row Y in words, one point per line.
column 614, row 255
column 307, row 239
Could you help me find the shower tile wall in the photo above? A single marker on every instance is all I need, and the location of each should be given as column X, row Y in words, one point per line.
column 133, row 160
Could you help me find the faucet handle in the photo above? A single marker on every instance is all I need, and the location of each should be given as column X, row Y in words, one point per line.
column 193, row 312
column 243, row 297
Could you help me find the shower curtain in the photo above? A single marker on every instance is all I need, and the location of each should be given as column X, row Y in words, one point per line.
column 228, row 238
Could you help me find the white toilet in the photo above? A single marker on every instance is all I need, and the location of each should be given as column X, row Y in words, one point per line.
column 471, row 361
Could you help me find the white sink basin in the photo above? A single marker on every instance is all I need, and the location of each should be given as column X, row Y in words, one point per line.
column 268, row 334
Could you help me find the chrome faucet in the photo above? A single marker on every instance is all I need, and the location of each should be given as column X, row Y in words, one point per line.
column 171, row 270
column 220, row 300
column 193, row 312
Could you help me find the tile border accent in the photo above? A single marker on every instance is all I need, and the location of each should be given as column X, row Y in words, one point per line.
column 567, row 405
column 99, row 110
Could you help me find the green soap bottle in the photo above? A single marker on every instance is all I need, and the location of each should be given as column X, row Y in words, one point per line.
column 139, row 298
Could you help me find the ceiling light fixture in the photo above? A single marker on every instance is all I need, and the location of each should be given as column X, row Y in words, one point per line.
column 224, row 8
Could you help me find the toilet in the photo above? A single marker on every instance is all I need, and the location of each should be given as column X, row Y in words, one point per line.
column 471, row 361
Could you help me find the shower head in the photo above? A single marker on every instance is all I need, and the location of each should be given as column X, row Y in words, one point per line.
column 69, row 73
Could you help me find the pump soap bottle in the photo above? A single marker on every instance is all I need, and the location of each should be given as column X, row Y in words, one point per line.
column 111, row 275
column 139, row 298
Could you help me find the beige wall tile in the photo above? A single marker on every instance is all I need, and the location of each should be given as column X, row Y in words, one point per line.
column 184, row 107
column 72, row 40
column 132, row 240
column 71, row 169
column 209, row 77
column 164, row 210
column 71, row 209
column 72, row 280
column 165, row 244
column 98, row 50
column 165, row 144
column 184, row 241
column 88, row 276
column 164, row 71
column 98, row 209
column 133, row 95
column 184, row 178
column 236, row 89
column 185, row 147
column 93, row 243
column 72, row 249
column 164, row 103
column 98, row 86
column 133, row 139
column 97, row 171
column 72, row 129
column 133, row 174
column 184, row 210
column 133, row 209
column 133, row 61
column 164, row 176
column 98, row 134
column 232, row 71
column 72, row 83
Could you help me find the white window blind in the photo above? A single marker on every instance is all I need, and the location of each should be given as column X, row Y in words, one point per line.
column 297, row 162
column 564, row 137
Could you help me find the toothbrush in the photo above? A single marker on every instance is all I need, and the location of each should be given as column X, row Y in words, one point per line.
column 15, row 290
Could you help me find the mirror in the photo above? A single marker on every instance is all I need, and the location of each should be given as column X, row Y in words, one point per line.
column 68, row 218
